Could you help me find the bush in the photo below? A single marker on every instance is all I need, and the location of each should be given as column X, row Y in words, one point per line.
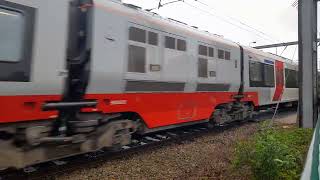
column 274, row 153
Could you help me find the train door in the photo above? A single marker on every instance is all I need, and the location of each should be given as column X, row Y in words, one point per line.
column 279, row 68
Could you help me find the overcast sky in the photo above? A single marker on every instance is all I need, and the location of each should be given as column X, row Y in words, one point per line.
column 244, row 21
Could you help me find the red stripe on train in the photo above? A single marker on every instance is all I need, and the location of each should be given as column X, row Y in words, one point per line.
column 24, row 108
column 279, row 66
column 157, row 109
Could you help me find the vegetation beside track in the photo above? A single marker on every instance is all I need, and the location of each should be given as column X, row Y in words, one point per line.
column 273, row 153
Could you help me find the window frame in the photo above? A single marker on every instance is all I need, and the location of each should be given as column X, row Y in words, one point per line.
column 209, row 50
column 184, row 47
column 157, row 38
column 130, row 67
column 200, row 73
column 287, row 76
column 132, row 38
column 262, row 72
column 250, row 72
column 20, row 71
column 223, row 53
column 174, row 40
column 200, row 50
column 23, row 34
column 269, row 83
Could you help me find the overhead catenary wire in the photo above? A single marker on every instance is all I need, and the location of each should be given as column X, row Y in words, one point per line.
column 283, row 50
column 227, row 21
column 171, row 2
column 162, row 5
column 240, row 22
column 294, row 4
column 251, row 29
column 294, row 52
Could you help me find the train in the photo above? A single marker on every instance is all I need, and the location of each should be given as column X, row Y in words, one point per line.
column 77, row 76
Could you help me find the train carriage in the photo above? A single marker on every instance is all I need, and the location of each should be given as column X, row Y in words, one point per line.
column 274, row 78
column 98, row 71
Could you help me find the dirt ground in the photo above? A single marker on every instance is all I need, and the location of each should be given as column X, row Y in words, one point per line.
column 205, row 157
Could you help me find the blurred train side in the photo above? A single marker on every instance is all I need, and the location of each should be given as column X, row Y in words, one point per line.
column 175, row 66
column 144, row 70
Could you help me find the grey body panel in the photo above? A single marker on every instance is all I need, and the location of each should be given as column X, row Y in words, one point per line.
column 112, row 20
column 48, row 54
column 110, row 41
column 147, row 86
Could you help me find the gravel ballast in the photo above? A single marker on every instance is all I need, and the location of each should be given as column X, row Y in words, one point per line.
column 205, row 156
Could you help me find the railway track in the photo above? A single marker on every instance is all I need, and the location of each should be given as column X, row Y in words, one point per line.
column 139, row 145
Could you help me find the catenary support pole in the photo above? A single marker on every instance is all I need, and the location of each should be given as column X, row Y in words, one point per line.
column 308, row 109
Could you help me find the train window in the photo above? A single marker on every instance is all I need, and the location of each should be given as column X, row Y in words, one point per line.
column 291, row 78
column 268, row 75
column 170, row 42
column 255, row 73
column 221, row 54
column 213, row 74
column 136, row 59
column 181, row 45
column 11, row 35
column 153, row 38
column 203, row 50
column 211, row 52
column 136, row 34
column 203, row 68
column 16, row 41
column 227, row 55
column 261, row 75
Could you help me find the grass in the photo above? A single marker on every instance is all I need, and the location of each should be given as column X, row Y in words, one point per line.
column 274, row 153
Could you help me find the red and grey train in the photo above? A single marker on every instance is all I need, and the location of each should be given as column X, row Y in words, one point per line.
column 80, row 75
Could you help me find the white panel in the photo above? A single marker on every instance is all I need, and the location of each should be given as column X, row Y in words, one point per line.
column 109, row 52
column 175, row 66
column 49, row 50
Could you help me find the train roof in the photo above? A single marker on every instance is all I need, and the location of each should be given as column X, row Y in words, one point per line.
column 172, row 25
column 151, row 18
